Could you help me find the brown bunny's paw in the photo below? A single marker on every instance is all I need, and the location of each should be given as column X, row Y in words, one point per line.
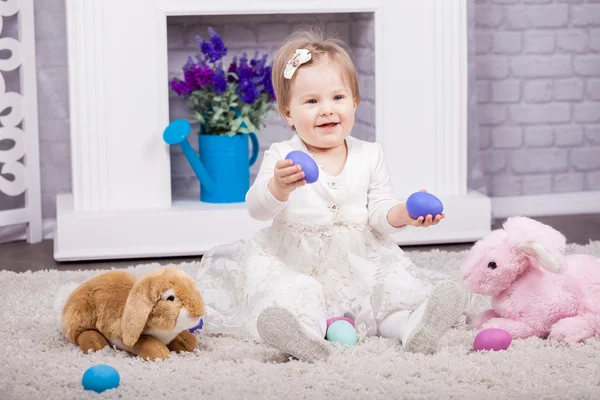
column 91, row 340
column 150, row 348
column 185, row 341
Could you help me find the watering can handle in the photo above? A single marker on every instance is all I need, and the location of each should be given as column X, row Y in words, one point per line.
column 177, row 133
column 254, row 155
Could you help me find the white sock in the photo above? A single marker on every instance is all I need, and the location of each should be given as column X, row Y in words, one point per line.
column 391, row 325
column 399, row 324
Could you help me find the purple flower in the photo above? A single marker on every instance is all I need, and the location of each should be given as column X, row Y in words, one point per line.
column 268, row 83
column 248, row 92
column 179, row 87
column 202, row 75
column 244, row 71
column 220, row 83
column 219, row 48
column 260, row 65
column 243, row 59
column 232, row 68
column 206, row 49
column 188, row 64
column 213, row 50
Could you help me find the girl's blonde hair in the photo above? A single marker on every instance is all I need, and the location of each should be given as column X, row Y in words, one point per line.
column 321, row 48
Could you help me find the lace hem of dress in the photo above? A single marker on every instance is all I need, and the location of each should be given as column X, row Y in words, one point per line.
column 297, row 225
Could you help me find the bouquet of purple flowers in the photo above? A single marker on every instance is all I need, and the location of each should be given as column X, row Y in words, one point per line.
column 226, row 102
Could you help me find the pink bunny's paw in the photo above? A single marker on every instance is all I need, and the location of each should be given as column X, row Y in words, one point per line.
column 484, row 317
column 517, row 329
column 571, row 330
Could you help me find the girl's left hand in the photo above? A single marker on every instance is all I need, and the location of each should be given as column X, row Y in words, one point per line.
column 427, row 220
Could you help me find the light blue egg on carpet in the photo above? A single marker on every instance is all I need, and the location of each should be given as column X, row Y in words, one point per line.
column 342, row 332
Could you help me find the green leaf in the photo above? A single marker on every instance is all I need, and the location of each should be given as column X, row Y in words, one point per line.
column 199, row 117
column 249, row 124
column 235, row 124
column 217, row 114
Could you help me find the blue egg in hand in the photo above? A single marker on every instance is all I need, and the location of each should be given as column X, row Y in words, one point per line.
column 421, row 204
column 100, row 377
column 309, row 166
column 342, row 332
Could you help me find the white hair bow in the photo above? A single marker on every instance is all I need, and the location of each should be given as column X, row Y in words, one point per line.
column 300, row 57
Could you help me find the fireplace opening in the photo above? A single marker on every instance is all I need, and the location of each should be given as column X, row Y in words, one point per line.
column 263, row 33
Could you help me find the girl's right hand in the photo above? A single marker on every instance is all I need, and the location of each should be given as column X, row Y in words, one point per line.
column 286, row 178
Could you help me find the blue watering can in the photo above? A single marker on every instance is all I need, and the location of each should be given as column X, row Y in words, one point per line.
column 222, row 166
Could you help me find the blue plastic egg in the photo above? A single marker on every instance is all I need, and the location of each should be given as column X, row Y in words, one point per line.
column 421, row 204
column 342, row 332
column 100, row 377
column 309, row 166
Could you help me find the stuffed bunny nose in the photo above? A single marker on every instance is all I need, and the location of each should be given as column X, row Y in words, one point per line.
column 492, row 265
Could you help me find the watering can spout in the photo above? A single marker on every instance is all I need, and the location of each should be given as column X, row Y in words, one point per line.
column 177, row 133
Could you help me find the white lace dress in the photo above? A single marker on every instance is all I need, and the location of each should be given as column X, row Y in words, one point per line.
column 326, row 254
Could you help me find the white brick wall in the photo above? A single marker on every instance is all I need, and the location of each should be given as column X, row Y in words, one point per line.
column 534, row 76
column 538, row 88
column 265, row 33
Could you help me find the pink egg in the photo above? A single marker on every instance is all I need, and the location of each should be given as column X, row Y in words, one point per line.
column 492, row 339
column 332, row 320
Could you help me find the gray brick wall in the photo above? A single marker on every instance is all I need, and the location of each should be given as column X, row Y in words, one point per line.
column 538, row 89
column 265, row 33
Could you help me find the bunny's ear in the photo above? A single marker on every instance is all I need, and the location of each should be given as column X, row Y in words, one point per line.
column 541, row 255
column 140, row 302
column 544, row 245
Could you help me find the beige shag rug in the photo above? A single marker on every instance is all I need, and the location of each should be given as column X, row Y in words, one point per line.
column 36, row 362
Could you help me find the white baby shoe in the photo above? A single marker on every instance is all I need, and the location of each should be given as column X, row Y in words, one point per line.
column 279, row 328
column 423, row 328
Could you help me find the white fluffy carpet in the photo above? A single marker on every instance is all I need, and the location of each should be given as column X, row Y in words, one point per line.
column 38, row 363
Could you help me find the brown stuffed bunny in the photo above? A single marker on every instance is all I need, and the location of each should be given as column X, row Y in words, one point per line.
column 148, row 316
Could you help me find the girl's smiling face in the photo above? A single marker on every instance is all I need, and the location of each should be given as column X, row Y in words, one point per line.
column 321, row 105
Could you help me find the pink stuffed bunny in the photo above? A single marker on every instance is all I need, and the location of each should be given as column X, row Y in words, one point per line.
column 536, row 289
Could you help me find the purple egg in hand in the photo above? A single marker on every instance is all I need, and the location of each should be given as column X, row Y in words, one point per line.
column 492, row 339
column 421, row 204
column 309, row 166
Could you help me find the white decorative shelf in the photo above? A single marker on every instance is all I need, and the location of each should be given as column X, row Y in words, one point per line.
column 121, row 203
column 20, row 163
column 192, row 227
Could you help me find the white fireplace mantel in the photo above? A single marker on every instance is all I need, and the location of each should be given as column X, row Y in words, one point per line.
column 121, row 204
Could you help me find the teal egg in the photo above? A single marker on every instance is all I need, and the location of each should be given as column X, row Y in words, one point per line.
column 342, row 332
